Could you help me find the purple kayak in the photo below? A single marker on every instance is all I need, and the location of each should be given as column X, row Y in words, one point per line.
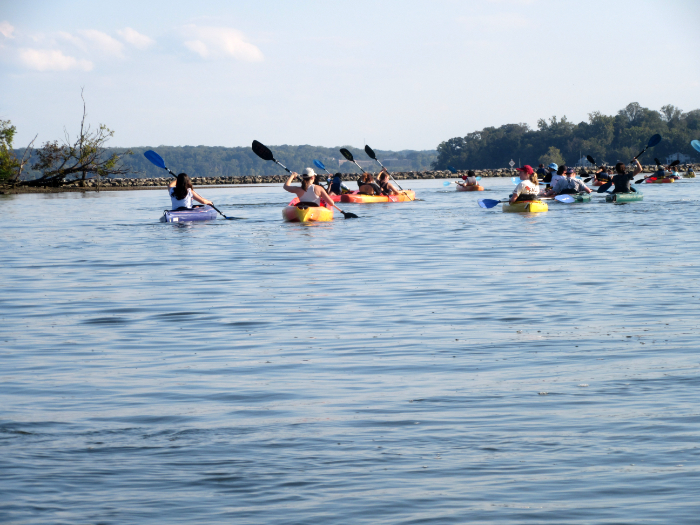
column 200, row 213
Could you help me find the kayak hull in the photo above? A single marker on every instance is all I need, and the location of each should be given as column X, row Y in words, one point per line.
column 689, row 175
column 624, row 197
column 407, row 195
column 469, row 188
column 582, row 197
column 526, row 207
column 307, row 214
column 201, row 213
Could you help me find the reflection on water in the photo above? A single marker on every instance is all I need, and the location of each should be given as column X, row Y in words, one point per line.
column 431, row 361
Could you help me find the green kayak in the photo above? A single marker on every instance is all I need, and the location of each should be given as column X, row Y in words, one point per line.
column 581, row 197
column 624, row 197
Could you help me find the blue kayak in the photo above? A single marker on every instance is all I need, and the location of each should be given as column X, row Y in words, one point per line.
column 199, row 213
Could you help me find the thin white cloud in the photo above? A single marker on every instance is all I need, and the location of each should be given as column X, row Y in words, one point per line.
column 51, row 60
column 6, row 29
column 135, row 38
column 220, row 42
column 103, row 42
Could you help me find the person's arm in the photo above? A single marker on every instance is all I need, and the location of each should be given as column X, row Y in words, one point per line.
column 292, row 189
column 173, row 183
column 638, row 169
column 196, row 196
column 516, row 193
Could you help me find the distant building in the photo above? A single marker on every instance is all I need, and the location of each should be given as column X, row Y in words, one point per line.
column 678, row 156
column 583, row 163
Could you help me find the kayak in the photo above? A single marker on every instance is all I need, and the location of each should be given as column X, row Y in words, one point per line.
column 469, row 188
column 303, row 213
column 689, row 175
column 199, row 213
column 526, row 206
column 295, row 200
column 654, row 180
column 624, row 197
column 357, row 198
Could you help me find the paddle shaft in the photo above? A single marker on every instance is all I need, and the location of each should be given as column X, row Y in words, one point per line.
column 392, row 178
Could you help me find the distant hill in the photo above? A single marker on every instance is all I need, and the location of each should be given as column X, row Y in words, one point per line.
column 206, row 161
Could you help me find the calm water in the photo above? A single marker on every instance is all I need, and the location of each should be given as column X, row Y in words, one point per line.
column 391, row 369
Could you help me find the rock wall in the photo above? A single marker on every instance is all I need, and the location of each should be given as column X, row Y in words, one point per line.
column 278, row 179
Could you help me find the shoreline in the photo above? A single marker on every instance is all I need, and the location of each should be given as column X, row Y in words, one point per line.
column 133, row 184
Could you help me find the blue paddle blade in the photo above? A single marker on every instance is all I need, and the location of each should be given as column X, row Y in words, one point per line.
column 696, row 144
column 319, row 164
column 566, row 199
column 653, row 141
column 446, row 183
column 154, row 158
column 479, row 177
column 488, row 203
column 516, row 180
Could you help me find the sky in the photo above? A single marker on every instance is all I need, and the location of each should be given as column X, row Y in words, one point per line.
column 396, row 75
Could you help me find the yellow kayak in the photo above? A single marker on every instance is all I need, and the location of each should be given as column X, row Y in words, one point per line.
column 526, row 207
column 357, row 198
column 307, row 214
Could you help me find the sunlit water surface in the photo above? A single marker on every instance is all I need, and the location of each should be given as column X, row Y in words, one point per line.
column 431, row 362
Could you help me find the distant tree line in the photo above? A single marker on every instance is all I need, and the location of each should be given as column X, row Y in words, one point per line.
column 208, row 161
column 608, row 138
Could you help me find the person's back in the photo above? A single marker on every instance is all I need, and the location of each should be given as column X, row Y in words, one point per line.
column 622, row 179
column 336, row 184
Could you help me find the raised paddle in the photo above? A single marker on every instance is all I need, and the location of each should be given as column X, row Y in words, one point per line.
column 346, row 153
column 592, row 161
column 370, row 153
column 695, row 144
column 158, row 161
column 320, row 166
column 264, row 153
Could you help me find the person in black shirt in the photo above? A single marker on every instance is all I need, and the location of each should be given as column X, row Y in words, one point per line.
column 622, row 179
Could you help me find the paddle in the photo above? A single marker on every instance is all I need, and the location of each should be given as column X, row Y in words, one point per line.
column 489, row 203
column 592, row 161
column 158, row 161
column 566, row 199
column 264, row 153
column 695, row 144
column 346, row 153
column 320, row 166
column 371, row 154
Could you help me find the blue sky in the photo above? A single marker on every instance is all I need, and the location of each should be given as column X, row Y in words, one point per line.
column 396, row 74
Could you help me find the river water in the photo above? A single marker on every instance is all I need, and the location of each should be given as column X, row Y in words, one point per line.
column 431, row 362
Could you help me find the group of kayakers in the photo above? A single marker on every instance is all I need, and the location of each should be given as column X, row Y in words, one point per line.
column 561, row 180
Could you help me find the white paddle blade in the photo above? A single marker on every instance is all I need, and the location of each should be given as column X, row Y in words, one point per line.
column 566, row 199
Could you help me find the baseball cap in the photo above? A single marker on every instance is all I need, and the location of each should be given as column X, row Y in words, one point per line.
column 527, row 169
column 308, row 173
column 553, row 166
column 569, row 171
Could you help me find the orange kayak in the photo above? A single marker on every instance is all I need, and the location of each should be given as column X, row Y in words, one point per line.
column 356, row 198
column 654, row 180
column 469, row 188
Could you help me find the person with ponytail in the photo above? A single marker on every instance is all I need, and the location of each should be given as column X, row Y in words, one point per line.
column 182, row 192
column 308, row 193
column 529, row 188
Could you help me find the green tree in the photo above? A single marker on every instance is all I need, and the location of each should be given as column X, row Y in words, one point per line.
column 553, row 155
column 8, row 160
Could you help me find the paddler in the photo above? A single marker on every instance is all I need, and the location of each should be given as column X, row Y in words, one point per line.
column 309, row 194
column 529, row 188
column 558, row 175
column 182, row 192
column 469, row 179
column 387, row 187
column 551, row 171
column 622, row 179
column 338, row 187
column 368, row 186
column 602, row 175
column 569, row 185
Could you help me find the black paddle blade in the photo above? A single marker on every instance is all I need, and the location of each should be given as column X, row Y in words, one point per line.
column 370, row 152
column 653, row 141
column 347, row 154
column 591, row 160
column 605, row 187
column 349, row 215
column 262, row 151
column 658, row 163
column 674, row 163
column 586, row 180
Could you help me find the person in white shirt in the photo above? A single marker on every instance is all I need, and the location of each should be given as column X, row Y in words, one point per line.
column 182, row 192
column 529, row 188
column 309, row 194
column 568, row 185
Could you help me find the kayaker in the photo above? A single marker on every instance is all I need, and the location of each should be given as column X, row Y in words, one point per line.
column 182, row 192
column 469, row 179
column 387, row 187
column 529, row 188
column 602, row 175
column 309, row 193
column 338, row 187
column 368, row 186
column 541, row 172
column 569, row 185
column 558, row 175
column 551, row 170
column 622, row 179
